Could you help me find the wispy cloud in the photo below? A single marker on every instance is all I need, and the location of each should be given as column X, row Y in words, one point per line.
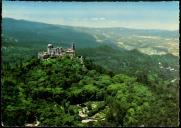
column 98, row 18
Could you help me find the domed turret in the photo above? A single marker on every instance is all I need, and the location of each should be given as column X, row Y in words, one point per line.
column 50, row 46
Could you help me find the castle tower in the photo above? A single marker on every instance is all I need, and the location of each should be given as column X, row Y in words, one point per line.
column 49, row 47
column 73, row 48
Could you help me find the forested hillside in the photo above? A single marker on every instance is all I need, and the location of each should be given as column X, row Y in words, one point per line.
column 129, row 77
column 133, row 62
column 64, row 92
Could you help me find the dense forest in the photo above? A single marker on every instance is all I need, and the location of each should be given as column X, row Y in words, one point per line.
column 116, row 85
column 65, row 92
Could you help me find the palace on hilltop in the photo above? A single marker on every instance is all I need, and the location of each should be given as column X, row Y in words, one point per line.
column 57, row 52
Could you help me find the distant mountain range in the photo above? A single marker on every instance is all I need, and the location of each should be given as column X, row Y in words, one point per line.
column 35, row 34
column 40, row 33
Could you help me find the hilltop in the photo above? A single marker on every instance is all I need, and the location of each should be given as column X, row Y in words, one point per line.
column 63, row 92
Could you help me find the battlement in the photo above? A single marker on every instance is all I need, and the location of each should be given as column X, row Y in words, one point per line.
column 57, row 52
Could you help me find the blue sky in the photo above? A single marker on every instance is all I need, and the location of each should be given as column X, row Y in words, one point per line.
column 145, row 15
